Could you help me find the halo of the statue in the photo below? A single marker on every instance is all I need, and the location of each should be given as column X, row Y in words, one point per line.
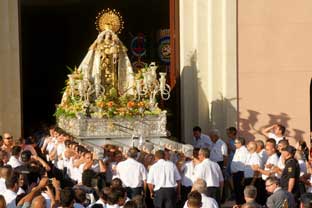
column 109, row 19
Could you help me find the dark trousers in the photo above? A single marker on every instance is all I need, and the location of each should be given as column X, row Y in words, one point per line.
column 260, row 186
column 214, row 192
column 185, row 190
column 238, row 182
column 131, row 192
column 165, row 198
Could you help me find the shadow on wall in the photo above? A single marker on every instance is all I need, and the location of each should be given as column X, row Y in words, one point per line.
column 197, row 110
column 248, row 127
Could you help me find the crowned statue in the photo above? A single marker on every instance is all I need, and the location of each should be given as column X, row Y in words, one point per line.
column 104, row 90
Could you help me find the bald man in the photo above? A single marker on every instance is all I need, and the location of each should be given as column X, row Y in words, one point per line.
column 38, row 202
column 7, row 142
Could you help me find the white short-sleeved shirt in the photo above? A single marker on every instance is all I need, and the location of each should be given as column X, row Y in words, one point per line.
column 204, row 141
column 14, row 162
column 10, row 198
column 210, row 172
column 163, row 174
column 276, row 138
column 218, row 150
column 206, row 202
column 273, row 160
column 131, row 173
column 239, row 159
column 252, row 159
column 187, row 173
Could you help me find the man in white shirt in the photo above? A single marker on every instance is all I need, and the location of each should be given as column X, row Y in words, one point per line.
column 252, row 159
column 211, row 173
column 276, row 132
column 201, row 186
column 164, row 182
column 10, row 193
column 270, row 148
column 238, row 168
column 218, row 148
column 200, row 140
column 14, row 159
column 132, row 174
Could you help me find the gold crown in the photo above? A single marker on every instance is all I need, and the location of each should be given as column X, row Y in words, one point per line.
column 109, row 19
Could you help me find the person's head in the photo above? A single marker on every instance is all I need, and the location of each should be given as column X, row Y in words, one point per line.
column 116, row 183
column 195, row 153
column 26, row 156
column 38, row 202
column 6, row 171
column 200, row 185
column 16, row 151
column 132, row 153
column 288, row 152
column 250, row 193
column 260, row 145
column 67, row 197
column 203, row 154
column 197, row 132
column 279, row 130
column 271, row 183
column 238, row 142
column 282, row 144
column 117, row 156
column 88, row 157
column 7, row 139
column 270, row 147
column 159, row 154
column 306, row 200
column 214, row 135
column 87, row 177
column 4, row 156
column 252, row 146
column 194, row 200
column 12, row 183
column 2, row 202
column 104, row 193
column 231, row 132
column 302, row 145
column 130, row 204
column 80, row 196
column 299, row 155
column 117, row 196
column 139, row 200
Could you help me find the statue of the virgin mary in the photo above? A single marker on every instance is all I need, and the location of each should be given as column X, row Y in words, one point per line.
column 106, row 66
column 107, row 62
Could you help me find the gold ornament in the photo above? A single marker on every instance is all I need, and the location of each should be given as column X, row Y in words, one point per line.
column 109, row 19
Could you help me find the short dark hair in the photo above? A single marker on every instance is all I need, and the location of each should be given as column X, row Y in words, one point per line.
column 16, row 150
column 272, row 141
column 115, row 195
column 197, row 128
column 139, row 200
column 273, row 179
column 116, row 183
column 232, row 129
column 67, row 196
column 80, row 196
column 11, row 181
column 282, row 128
column 133, row 152
column 160, row 154
column 87, row 177
column 194, row 199
column 284, row 142
column 25, row 156
column 260, row 143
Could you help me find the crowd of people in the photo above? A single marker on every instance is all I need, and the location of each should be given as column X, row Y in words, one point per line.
column 52, row 169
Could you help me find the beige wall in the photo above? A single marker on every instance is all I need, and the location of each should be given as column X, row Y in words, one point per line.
column 10, row 96
column 207, row 64
column 274, row 65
